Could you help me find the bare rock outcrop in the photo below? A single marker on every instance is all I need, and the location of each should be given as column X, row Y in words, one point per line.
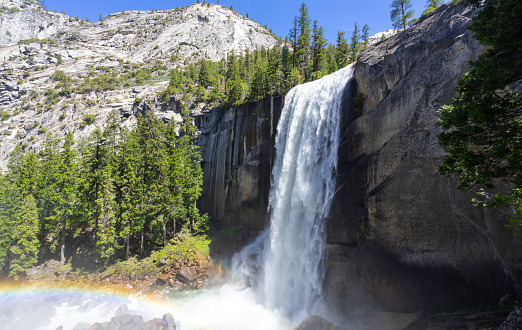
column 402, row 237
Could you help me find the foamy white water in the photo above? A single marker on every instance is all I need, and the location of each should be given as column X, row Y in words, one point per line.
column 229, row 307
column 292, row 263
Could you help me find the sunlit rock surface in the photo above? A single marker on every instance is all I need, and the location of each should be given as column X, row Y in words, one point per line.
column 35, row 43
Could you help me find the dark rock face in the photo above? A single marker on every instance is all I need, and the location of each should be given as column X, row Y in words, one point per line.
column 425, row 246
column 237, row 149
column 135, row 322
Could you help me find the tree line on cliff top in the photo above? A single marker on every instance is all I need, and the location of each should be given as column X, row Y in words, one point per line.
column 126, row 192
column 305, row 55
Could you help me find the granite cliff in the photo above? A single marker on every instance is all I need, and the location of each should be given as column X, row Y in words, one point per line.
column 401, row 237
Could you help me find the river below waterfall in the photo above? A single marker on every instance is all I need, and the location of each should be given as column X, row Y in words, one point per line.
column 277, row 279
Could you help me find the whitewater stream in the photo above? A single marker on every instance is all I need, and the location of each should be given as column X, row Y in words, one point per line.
column 276, row 281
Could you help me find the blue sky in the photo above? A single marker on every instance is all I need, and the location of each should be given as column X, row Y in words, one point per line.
column 333, row 15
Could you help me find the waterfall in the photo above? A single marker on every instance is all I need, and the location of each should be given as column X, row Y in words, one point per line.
column 282, row 270
column 292, row 268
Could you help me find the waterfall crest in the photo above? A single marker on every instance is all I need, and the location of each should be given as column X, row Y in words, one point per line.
column 292, row 262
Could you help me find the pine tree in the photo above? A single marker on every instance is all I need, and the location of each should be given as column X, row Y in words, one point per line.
column 10, row 202
column 64, row 199
column 258, row 86
column 401, row 13
column 28, row 175
column 303, row 41
column 24, row 252
column 318, row 45
column 189, row 178
column 431, row 5
column 366, row 35
column 153, row 171
column 342, row 50
column 354, row 45
column 236, row 91
column 128, row 188
column 46, row 189
column 205, row 74
column 292, row 38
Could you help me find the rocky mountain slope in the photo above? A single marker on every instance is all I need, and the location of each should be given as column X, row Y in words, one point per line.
column 36, row 43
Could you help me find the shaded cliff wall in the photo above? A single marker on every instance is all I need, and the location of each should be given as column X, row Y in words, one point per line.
column 237, row 150
column 425, row 246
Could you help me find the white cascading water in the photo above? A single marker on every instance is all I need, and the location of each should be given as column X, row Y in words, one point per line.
column 292, row 271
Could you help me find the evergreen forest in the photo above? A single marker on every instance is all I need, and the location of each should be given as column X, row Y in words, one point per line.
column 126, row 191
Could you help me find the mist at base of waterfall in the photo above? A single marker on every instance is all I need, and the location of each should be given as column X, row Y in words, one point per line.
column 231, row 307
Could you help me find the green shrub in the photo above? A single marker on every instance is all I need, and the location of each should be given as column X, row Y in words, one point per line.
column 89, row 119
column 4, row 115
column 358, row 101
column 52, row 96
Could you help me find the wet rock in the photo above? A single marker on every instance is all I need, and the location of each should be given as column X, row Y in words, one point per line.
column 127, row 321
column 85, row 326
column 513, row 321
column 169, row 319
column 204, row 265
column 122, row 310
column 95, row 326
column 388, row 320
column 157, row 297
column 155, row 324
column 315, row 322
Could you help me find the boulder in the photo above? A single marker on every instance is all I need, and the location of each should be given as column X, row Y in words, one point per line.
column 187, row 275
column 126, row 321
column 163, row 279
column 315, row 322
column 169, row 320
column 513, row 321
column 155, row 324
column 122, row 310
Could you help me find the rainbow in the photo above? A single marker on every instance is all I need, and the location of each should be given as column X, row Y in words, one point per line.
column 40, row 306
